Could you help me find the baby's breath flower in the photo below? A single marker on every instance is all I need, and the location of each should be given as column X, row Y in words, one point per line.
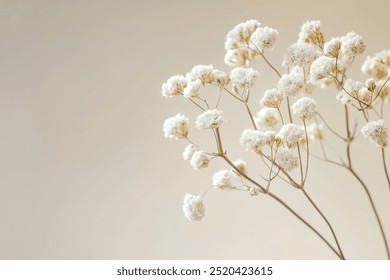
column 311, row 33
column 332, row 48
column 384, row 90
column 203, row 73
column 343, row 97
column 290, row 134
column 193, row 207
column 239, row 57
column 370, row 84
column 241, row 166
column 174, row 86
column 352, row 44
column 267, row 117
column 291, row 84
column 220, row 78
column 199, row 160
column 243, row 78
column 301, row 54
column 376, row 132
column 253, row 140
column 305, row 108
column 239, row 36
column 322, row 68
column 222, row 180
column 272, row 98
column 192, row 89
column 189, row 151
column 264, row 38
column 378, row 65
column 287, row 159
column 209, row 119
column 365, row 95
column 176, row 127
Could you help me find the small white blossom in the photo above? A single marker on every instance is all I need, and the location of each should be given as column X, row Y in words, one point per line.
column 241, row 166
column 370, row 84
column 254, row 192
column 352, row 44
column 264, row 38
column 305, row 108
column 203, row 73
column 311, row 33
column 193, row 207
column 189, row 151
column 176, row 127
column 267, row 117
column 383, row 90
column 376, row 132
column 291, row 84
column 220, row 78
column 301, row 54
column 243, row 78
column 199, row 160
column 378, row 65
column 253, row 140
column 174, row 86
column 290, row 134
column 209, row 119
column 192, row 89
column 222, row 180
column 287, row 159
column 322, row 68
column 332, row 48
column 272, row 98
column 239, row 57
column 343, row 97
column 239, row 36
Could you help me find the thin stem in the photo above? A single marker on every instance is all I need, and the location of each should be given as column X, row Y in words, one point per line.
column 270, row 65
column 281, row 116
column 250, row 115
column 373, row 208
column 328, row 126
column 326, row 220
column 385, row 167
column 306, row 223
column 288, row 109
column 196, row 104
column 307, row 153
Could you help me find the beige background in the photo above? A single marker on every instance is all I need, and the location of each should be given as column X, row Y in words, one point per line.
column 85, row 172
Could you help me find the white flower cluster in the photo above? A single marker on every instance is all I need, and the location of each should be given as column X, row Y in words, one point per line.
column 254, row 140
column 305, row 108
column 222, row 180
column 290, row 134
column 246, row 40
column 376, row 132
column 176, row 127
column 311, row 33
column 287, row 159
column 267, row 117
column 292, row 84
column 272, row 98
column 193, row 207
column 209, row 119
column 378, row 65
column 243, row 78
column 314, row 132
column 301, row 54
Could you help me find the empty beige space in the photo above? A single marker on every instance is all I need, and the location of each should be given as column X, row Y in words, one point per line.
column 85, row 172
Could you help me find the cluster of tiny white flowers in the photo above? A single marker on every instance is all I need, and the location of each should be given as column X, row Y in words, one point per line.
column 322, row 67
column 264, row 38
column 352, row 44
column 209, row 119
column 305, row 108
column 189, row 151
column 199, row 160
column 311, row 33
column 301, row 54
column 193, row 207
column 290, row 134
column 243, row 78
column 204, row 73
column 176, row 127
column 287, row 159
column 222, row 180
column 376, row 132
column 272, row 98
column 254, row 140
column 267, row 117
column 192, row 89
column 174, row 86
column 291, row 84
column 378, row 65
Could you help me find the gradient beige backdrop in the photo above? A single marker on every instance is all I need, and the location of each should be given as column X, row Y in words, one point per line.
column 85, row 172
